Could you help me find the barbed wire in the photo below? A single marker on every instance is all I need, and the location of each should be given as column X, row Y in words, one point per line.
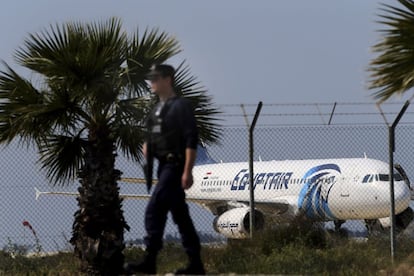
column 297, row 114
column 310, row 104
column 311, row 114
column 241, row 126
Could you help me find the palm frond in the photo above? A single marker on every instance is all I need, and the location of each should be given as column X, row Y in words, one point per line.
column 392, row 71
column 128, row 126
column 32, row 114
column 62, row 157
column 187, row 86
column 18, row 100
column 133, row 110
column 129, row 140
column 86, row 58
column 92, row 77
column 144, row 51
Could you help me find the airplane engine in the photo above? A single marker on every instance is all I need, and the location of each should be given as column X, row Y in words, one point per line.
column 235, row 223
column 402, row 220
column 404, row 176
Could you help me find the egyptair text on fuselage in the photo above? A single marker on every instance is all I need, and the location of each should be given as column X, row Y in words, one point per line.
column 268, row 180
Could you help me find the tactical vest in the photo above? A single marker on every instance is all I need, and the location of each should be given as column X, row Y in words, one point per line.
column 165, row 139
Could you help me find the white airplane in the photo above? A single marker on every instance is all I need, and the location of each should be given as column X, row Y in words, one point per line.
column 321, row 190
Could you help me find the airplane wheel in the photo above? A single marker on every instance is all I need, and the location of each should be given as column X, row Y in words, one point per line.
column 338, row 224
column 371, row 224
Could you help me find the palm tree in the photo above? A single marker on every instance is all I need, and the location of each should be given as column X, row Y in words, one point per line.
column 392, row 71
column 86, row 103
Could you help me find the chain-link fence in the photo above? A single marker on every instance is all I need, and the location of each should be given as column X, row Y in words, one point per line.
column 51, row 216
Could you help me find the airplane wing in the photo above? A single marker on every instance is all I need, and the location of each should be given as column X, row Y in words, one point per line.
column 124, row 196
column 39, row 193
column 134, row 196
column 271, row 208
column 133, row 180
column 137, row 180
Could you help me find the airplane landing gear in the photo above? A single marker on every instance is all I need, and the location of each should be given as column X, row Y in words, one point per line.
column 371, row 224
column 338, row 224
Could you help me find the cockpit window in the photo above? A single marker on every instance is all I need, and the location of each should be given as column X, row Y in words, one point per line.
column 367, row 178
column 381, row 177
column 385, row 177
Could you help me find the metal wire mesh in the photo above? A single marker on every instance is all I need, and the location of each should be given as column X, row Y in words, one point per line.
column 51, row 217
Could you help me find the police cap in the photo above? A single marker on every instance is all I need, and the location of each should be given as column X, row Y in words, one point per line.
column 161, row 70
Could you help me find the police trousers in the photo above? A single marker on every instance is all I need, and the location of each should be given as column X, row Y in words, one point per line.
column 169, row 196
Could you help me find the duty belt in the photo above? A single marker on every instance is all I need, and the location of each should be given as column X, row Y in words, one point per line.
column 170, row 158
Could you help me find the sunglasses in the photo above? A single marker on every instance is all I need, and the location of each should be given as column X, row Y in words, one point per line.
column 155, row 77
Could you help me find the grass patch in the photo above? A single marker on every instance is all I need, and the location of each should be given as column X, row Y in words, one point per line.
column 61, row 263
column 285, row 250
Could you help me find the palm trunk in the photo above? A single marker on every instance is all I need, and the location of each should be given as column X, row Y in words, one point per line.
column 98, row 229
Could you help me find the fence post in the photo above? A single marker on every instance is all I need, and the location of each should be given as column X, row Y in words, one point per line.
column 391, row 148
column 251, row 184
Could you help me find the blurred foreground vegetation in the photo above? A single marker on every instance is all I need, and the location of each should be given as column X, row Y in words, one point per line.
column 286, row 250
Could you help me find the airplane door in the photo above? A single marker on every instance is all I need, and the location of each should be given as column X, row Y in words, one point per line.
column 348, row 183
column 345, row 187
column 341, row 201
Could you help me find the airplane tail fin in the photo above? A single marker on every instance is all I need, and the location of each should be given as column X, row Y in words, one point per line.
column 203, row 157
column 38, row 193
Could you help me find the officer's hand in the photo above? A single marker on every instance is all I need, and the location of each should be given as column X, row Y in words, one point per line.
column 187, row 180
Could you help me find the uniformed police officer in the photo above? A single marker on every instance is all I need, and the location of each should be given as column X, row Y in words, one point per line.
column 173, row 142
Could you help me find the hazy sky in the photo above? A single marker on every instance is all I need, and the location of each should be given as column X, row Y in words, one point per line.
column 276, row 51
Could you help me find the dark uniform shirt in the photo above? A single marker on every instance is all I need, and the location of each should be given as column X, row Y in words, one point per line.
column 173, row 128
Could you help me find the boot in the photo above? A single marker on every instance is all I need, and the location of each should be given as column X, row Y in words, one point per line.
column 194, row 267
column 147, row 266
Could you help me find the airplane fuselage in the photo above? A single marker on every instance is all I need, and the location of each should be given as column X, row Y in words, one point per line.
column 322, row 190
column 326, row 189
